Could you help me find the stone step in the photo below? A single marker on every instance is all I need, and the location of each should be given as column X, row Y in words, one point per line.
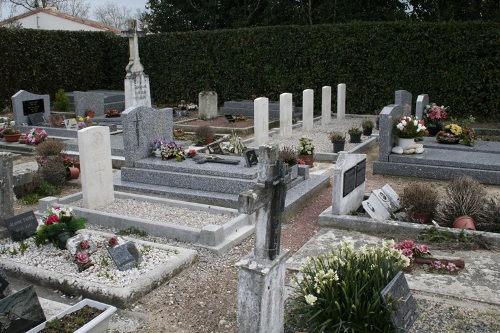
column 185, row 180
column 229, row 200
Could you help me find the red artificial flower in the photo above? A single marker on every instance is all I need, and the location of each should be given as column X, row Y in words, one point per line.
column 52, row 219
column 84, row 245
column 300, row 161
column 112, row 241
column 82, row 258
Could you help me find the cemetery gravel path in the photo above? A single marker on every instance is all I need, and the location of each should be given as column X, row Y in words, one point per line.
column 202, row 298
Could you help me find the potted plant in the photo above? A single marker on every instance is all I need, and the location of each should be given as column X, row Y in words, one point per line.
column 59, row 224
column 407, row 129
column 306, row 151
column 367, row 125
column 9, row 133
column 338, row 140
column 289, row 156
column 420, row 202
column 98, row 314
column 355, row 135
column 434, row 116
column 204, row 134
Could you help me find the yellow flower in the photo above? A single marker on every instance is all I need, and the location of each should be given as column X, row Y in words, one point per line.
column 74, row 119
column 80, row 119
column 454, row 128
column 88, row 118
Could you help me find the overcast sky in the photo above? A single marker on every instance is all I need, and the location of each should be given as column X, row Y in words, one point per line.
column 132, row 4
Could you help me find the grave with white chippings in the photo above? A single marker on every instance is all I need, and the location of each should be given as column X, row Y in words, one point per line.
column 261, row 279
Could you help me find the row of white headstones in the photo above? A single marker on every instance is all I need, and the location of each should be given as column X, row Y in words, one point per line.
column 261, row 112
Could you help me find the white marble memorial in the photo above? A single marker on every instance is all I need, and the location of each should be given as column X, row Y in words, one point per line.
column 326, row 105
column 341, row 90
column 207, row 105
column 286, row 115
column 137, row 91
column 308, row 109
column 261, row 121
column 94, row 146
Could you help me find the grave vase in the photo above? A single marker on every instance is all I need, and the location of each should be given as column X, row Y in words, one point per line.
column 433, row 130
column 308, row 159
column 405, row 142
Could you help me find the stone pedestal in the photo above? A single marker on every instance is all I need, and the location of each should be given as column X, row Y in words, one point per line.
column 261, row 294
column 207, row 105
column 137, row 91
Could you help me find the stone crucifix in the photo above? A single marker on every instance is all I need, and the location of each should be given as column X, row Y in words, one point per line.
column 133, row 33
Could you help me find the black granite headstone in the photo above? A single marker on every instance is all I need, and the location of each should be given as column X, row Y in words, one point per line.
column 405, row 307
column 125, row 256
column 20, row 311
column 230, row 118
column 21, row 226
column 349, row 181
column 214, row 148
column 251, row 158
column 33, row 106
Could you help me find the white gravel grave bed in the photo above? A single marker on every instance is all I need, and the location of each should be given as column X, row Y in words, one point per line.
column 103, row 271
column 162, row 213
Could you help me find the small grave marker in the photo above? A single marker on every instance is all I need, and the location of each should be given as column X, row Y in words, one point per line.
column 22, row 226
column 36, row 119
column 21, row 311
column 33, row 106
column 230, row 118
column 214, row 148
column 251, row 158
column 405, row 309
column 125, row 256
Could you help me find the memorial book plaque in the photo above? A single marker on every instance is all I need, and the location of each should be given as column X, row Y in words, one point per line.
column 251, row 158
column 21, row 226
column 214, row 148
column 230, row 118
column 33, row 106
column 398, row 297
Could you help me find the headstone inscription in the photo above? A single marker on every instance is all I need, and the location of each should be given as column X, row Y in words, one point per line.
column 354, row 177
column 33, row 106
column 405, row 307
column 125, row 256
column 21, row 311
column 251, row 158
column 22, row 226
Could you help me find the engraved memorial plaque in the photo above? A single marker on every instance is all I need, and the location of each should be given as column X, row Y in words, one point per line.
column 349, row 181
column 21, row 226
column 214, row 148
column 33, row 106
column 405, row 307
column 251, row 158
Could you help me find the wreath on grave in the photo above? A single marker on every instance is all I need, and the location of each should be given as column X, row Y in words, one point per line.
column 451, row 134
column 59, row 224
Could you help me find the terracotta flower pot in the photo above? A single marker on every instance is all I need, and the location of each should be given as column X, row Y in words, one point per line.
column 72, row 173
column 464, row 222
column 11, row 137
column 309, row 159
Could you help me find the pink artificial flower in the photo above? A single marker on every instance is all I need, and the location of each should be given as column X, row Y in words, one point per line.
column 300, row 161
column 422, row 248
column 451, row 267
column 436, row 264
column 82, row 258
column 84, row 244
column 408, row 244
column 52, row 219
column 407, row 252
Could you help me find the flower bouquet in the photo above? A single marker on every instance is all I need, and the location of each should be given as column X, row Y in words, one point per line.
column 306, row 146
column 410, row 128
column 172, row 150
column 434, row 115
column 112, row 113
column 411, row 250
column 59, row 224
column 451, row 134
column 35, row 136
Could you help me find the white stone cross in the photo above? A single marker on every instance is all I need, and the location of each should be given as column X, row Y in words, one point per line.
column 133, row 33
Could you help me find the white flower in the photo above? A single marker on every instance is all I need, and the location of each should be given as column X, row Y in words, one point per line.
column 310, row 299
column 400, row 126
column 415, row 122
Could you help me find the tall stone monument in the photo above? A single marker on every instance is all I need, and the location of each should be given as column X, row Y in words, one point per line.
column 136, row 82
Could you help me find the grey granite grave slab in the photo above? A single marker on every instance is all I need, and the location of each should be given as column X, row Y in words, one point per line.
column 88, row 101
column 141, row 125
column 404, row 98
column 17, row 105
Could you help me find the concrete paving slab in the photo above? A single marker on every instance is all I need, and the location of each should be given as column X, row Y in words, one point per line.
column 478, row 281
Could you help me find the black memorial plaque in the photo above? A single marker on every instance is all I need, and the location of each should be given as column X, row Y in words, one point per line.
column 349, row 181
column 251, row 158
column 405, row 307
column 125, row 256
column 21, row 226
column 214, row 148
column 230, row 118
column 360, row 172
column 33, row 106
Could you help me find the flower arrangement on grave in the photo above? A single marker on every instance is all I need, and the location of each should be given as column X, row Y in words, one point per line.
column 59, row 224
column 83, row 122
column 410, row 128
column 434, row 115
column 451, row 134
column 156, row 146
column 411, row 250
column 337, row 137
column 112, row 113
column 338, row 287
column 233, row 145
column 306, row 146
column 191, row 153
column 186, row 106
column 8, row 129
column 288, row 155
column 239, row 117
column 300, row 161
column 172, row 150
column 440, row 267
column 36, row 136
column 468, row 134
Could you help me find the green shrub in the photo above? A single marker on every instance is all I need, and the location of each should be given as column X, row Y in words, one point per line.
column 31, row 199
column 49, row 148
column 54, row 171
column 46, row 189
column 340, row 290
column 62, row 101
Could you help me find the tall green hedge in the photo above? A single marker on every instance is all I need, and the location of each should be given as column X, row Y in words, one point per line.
column 456, row 63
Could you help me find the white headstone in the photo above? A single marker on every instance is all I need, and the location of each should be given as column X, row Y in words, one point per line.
column 94, row 146
column 261, row 121
column 422, row 101
column 137, row 91
column 286, row 115
column 207, row 105
column 326, row 105
column 349, row 175
column 341, row 89
column 308, row 110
